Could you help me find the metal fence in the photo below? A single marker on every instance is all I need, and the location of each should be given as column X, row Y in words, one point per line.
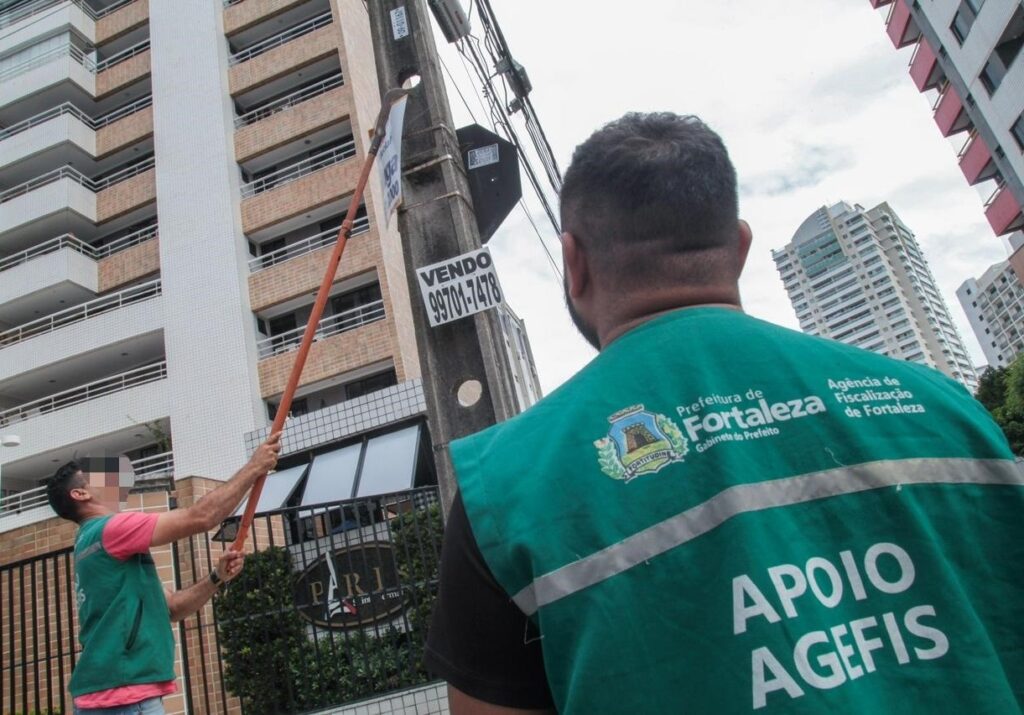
column 38, row 647
column 331, row 607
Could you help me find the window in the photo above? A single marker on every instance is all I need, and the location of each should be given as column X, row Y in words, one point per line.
column 964, row 19
column 380, row 381
column 1005, row 52
column 357, row 298
column 1017, row 130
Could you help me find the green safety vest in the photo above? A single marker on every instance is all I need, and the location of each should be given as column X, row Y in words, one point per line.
column 124, row 625
column 718, row 515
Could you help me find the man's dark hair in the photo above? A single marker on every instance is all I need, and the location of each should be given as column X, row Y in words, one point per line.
column 651, row 187
column 58, row 490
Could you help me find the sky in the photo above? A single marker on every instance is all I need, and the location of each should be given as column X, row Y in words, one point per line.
column 811, row 98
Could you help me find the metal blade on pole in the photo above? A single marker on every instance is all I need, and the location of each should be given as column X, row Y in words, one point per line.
column 380, row 130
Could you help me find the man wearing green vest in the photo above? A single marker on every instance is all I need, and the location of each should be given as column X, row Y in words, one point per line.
column 124, row 612
column 719, row 515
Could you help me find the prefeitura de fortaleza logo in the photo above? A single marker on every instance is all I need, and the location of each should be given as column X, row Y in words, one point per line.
column 639, row 442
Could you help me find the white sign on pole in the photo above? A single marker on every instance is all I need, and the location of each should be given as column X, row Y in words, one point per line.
column 399, row 23
column 459, row 286
column 390, row 159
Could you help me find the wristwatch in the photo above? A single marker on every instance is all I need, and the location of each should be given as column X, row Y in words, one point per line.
column 216, row 580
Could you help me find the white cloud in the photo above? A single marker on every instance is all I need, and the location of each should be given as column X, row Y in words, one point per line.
column 811, row 98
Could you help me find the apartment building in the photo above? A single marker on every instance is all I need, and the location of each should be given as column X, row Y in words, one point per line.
column 166, row 207
column 994, row 304
column 858, row 276
column 967, row 58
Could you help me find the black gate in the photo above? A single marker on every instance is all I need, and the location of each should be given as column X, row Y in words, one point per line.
column 38, row 643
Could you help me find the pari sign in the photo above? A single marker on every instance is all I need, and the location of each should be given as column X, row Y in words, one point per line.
column 351, row 588
column 459, row 286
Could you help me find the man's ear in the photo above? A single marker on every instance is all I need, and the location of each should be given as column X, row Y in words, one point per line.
column 574, row 262
column 746, row 237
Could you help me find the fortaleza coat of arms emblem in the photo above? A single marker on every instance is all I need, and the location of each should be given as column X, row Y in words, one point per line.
column 639, row 442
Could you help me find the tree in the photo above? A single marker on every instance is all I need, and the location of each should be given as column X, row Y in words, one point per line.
column 1001, row 391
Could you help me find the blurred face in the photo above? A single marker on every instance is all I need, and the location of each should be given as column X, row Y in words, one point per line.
column 106, row 481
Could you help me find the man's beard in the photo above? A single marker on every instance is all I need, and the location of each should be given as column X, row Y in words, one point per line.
column 587, row 331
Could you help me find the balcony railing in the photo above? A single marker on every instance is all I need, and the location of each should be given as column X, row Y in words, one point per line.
column 68, row 240
column 72, row 110
column 84, row 393
column 33, row 8
column 281, row 38
column 331, row 325
column 67, row 172
column 289, row 100
column 301, row 248
column 118, row 58
column 78, row 55
column 70, row 316
column 159, row 465
column 288, row 174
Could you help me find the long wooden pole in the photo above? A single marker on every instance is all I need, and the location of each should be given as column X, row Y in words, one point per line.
column 318, row 307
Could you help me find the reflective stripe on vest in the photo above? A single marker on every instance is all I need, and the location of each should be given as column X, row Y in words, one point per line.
column 688, row 525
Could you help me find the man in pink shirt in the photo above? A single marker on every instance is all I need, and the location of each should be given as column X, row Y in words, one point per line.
column 124, row 612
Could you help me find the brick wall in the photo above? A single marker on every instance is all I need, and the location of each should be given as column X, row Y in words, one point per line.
column 129, row 265
column 329, row 108
column 122, row 74
column 281, row 60
column 121, row 21
column 124, row 131
column 125, row 196
column 361, row 74
column 245, row 14
column 311, row 191
column 334, row 355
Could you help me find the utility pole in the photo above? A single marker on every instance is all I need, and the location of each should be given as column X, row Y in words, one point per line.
column 437, row 222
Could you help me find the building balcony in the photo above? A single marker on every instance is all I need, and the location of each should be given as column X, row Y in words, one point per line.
column 49, row 338
column 67, row 135
column 1003, row 211
column 976, row 160
column 297, row 268
column 328, row 326
column 240, row 15
column 924, row 67
column 900, row 25
column 44, row 18
column 54, row 266
column 65, row 199
column 324, row 177
column 281, row 54
column 30, row 416
column 102, row 417
column 298, row 114
column 366, row 342
column 67, row 73
column 950, row 115
column 879, row 3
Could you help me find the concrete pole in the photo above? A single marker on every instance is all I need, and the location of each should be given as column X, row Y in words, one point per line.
column 436, row 222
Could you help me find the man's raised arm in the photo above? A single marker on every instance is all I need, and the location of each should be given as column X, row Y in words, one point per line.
column 216, row 506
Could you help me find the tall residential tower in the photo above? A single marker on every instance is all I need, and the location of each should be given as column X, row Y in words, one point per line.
column 858, row 276
column 994, row 304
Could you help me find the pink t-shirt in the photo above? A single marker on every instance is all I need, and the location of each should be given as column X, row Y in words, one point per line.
column 126, row 535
